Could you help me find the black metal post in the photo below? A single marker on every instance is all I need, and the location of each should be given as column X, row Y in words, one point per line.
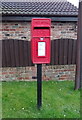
column 39, row 85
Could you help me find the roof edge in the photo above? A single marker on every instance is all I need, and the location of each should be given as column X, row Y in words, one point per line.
column 28, row 19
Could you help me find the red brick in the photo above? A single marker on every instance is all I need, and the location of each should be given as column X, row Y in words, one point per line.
column 65, row 70
column 11, row 29
column 3, row 73
column 70, row 70
column 0, row 73
column 63, row 78
column 23, row 78
column 5, row 29
column 26, row 78
column 21, row 27
column 20, row 78
column 57, row 71
column 12, row 72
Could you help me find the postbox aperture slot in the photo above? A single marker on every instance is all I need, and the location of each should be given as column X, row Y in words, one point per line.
column 41, row 27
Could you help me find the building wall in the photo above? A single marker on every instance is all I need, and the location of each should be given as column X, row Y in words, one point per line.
column 55, row 72
column 64, row 30
column 21, row 30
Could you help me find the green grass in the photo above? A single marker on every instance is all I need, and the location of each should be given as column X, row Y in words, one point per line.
column 60, row 100
column 0, row 100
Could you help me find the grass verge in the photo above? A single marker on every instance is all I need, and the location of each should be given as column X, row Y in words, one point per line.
column 60, row 100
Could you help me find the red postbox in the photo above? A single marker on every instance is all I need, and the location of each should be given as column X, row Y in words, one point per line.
column 40, row 41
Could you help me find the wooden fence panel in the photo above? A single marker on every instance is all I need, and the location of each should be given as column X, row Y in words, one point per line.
column 74, row 52
column 26, row 55
column 12, row 52
column 21, row 53
column 7, row 53
column 52, row 53
column 3, row 54
column 70, row 45
column 0, row 53
column 61, row 51
column 29, row 54
column 56, row 52
column 17, row 53
column 16, row 49
column 65, row 51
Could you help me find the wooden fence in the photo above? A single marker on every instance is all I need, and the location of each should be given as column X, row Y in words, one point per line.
column 63, row 52
column 17, row 53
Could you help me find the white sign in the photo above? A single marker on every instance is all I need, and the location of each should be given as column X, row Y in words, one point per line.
column 41, row 48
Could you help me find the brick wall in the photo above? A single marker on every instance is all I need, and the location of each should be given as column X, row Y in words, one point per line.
column 21, row 30
column 55, row 72
column 64, row 30
column 16, row 30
